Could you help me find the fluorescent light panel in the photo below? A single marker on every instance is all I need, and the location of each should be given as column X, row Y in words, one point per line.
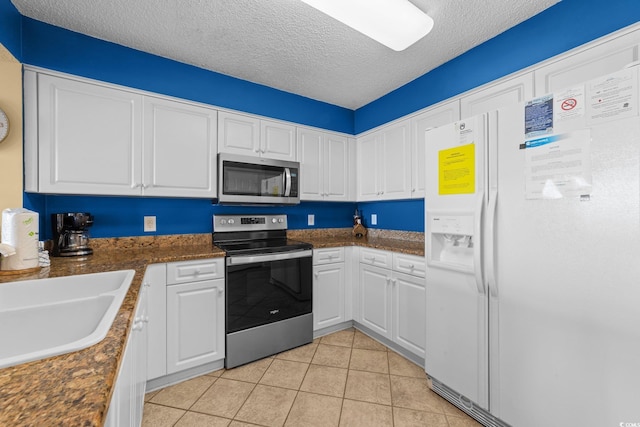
column 396, row 24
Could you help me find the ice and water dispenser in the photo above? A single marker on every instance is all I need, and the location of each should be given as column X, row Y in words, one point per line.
column 451, row 241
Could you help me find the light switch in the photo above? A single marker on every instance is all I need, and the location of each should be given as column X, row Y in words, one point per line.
column 374, row 219
column 311, row 219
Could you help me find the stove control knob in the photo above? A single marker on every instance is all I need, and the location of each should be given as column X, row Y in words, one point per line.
column 274, row 220
column 223, row 221
column 231, row 221
column 280, row 220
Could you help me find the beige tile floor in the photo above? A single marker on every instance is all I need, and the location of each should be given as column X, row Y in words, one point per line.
column 342, row 379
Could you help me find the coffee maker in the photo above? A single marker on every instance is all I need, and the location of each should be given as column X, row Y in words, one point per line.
column 71, row 234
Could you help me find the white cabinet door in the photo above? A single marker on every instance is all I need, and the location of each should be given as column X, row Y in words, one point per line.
column 325, row 165
column 179, row 149
column 328, row 295
column 277, row 140
column 310, row 151
column 140, row 345
column 395, row 155
column 195, row 324
column 431, row 118
column 368, row 168
column 121, row 405
column 127, row 401
column 375, row 299
column 90, row 138
column 238, row 134
column 384, row 163
column 585, row 64
column 155, row 278
column 250, row 136
column 337, row 170
column 497, row 95
column 409, row 312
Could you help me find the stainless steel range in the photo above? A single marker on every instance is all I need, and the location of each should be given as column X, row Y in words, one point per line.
column 268, row 286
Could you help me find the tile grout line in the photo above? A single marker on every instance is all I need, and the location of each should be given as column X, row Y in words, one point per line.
column 303, row 377
column 251, row 392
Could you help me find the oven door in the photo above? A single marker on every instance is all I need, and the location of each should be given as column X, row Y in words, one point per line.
column 263, row 289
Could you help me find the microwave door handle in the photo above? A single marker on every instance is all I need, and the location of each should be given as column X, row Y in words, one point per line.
column 287, row 182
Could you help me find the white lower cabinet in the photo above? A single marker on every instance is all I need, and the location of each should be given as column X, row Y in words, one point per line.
column 409, row 312
column 392, row 297
column 156, row 278
column 127, row 401
column 375, row 299
column 328, row 287
column 195, row 313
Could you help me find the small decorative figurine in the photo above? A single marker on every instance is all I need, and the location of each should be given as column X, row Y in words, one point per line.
column 359, row 230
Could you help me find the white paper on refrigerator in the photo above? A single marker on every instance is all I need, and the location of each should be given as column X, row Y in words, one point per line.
column 558, row 166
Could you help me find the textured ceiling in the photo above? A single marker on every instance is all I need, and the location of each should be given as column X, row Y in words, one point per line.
column 285, row 44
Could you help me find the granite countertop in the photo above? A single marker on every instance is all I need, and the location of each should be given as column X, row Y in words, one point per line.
column 411, row 243
column 75, row 388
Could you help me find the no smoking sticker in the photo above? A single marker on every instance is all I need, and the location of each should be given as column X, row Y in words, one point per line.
column 570, row 104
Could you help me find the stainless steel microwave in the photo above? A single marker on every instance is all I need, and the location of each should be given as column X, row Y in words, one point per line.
column 254, row 180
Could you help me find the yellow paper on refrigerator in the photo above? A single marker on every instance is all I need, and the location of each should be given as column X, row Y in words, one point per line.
column 456, row 170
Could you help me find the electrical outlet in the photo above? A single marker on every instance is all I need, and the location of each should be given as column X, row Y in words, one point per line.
column 149, row 223
column 311, row 219
column 374, row 219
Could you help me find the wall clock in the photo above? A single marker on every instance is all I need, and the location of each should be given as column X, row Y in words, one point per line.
column 4, row 125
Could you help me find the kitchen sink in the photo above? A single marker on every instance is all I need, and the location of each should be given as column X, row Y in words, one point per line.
column 47, row 317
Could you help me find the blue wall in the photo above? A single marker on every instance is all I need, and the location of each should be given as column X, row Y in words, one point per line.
column 405, row 215
column 123, row 216
column 11, row 28
column 564, row 26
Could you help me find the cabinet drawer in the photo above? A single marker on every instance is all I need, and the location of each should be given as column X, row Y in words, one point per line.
column 376, row 257
column 194, row 271
column 409, row 264
column 328, row 255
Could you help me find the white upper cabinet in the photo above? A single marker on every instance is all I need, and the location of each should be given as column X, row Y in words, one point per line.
column 368, row 168
column 396, row 161
column 431, row 118
column 277, row 140
column 497, row 95
column 384, row 163
column 179, row 149
column 250, row 136
column 584, row 64
column 88, row 138
column 238, row 134
column 325, row 165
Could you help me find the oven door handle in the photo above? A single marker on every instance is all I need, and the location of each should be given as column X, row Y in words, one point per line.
column 239, row 260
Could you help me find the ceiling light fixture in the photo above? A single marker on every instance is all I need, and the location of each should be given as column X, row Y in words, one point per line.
column 396, row 24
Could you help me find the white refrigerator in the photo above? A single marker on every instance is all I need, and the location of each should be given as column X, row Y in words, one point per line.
column 532, row 235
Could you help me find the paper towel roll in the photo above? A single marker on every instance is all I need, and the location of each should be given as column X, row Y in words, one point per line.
column 20, row 229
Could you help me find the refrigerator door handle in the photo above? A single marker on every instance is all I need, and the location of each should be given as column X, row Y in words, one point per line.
column 477, row 244
column 491, row 222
